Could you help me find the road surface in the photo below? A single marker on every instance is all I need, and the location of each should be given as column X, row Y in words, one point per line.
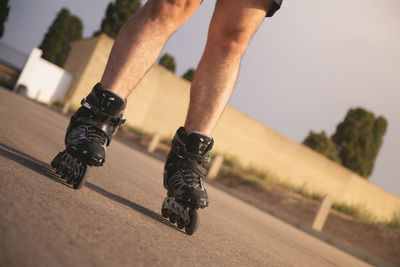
column 115, row 220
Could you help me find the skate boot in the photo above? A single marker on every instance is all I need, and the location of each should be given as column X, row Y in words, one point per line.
column 184, row 172
column 89, row 132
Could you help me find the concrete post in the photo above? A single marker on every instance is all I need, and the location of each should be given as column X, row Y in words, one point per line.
column 323, row 213
column 216, row 165
column 66, row 107
column 154, row 143
column 37, row 95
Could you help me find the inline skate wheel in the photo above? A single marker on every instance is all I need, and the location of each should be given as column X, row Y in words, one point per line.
column 181, row 223
column 172, row 217
column 165, row 213
column 80, row 181
column 194, row 221
column 72, row 171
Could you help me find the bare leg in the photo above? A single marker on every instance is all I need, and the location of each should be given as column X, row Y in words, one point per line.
column 232, row 25
column 141, row 40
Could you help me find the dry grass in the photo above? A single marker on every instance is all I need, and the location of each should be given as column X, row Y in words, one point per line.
column 233, row 172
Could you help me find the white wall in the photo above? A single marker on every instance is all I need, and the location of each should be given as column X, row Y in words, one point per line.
column 45, row 81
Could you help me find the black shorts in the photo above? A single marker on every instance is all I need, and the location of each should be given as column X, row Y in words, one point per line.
column 276, row 4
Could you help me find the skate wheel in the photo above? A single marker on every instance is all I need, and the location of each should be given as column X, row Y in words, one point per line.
column 80, row 181
column 172, row 217
column 56, row 161
column 64, row 166
column 194, row 221
column 165, row 213
column 69, row 169
column 181, row 223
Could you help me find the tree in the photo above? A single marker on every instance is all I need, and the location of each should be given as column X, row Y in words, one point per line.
column 4, row 11
column 116, row 15
column 189, row 74
column 56, row 43
column 75, row 33
column 322, row 144
column 358, row 139
column 168, row 62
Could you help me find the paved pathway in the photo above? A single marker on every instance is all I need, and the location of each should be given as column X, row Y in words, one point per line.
column 115, row 220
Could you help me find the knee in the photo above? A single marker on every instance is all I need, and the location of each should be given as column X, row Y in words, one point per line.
column 171, row 10
column 230, row 39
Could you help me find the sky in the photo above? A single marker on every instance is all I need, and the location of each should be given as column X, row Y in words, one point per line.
column 303, row 70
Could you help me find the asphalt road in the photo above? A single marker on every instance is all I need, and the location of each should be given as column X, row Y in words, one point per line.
column 115, row 220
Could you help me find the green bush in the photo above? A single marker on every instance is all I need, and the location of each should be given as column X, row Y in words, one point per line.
column 233, row 172
column 356, row 211
column 395, row 221
column 139, row 132
column 58, row 103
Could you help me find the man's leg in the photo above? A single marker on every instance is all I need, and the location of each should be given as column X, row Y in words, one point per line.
column 137, row 47
column 141, row 40
column 232, row 25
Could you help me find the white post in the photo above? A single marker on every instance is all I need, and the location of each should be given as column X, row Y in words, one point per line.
column 154, row 143
column 216, row 165
column 323, row 213
column 66, row 107
column 37, row 95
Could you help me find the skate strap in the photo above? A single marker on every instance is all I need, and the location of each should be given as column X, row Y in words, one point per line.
column 201, row 159
column 108, row 130
column 101, row 120
column 115, row 121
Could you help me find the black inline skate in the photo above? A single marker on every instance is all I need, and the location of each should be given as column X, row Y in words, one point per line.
column 89, row 132
column 184, row 172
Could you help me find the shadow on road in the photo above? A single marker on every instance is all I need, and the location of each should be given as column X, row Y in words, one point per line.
column 133, row 205
column 30, row 163
column 46, row 170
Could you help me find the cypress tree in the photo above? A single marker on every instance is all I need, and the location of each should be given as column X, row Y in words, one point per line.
column 358, row 139
column 189, row 74
column 321, row 143
column 116, row 14
column 168, row 62
column 56, row 42
column 4, row 11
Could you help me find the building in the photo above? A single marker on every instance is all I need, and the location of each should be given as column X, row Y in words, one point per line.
column 42, row 80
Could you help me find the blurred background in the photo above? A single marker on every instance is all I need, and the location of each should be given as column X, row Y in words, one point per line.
column 324, row 74
column 304, row 69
